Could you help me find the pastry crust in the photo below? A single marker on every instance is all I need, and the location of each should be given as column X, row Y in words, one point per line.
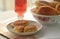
column 58, row 7
column 20, row 22
column 41, row 3
column 53, row 4
column 46, row 10
column 34, row 10
column 19, row 29
column 30, row 28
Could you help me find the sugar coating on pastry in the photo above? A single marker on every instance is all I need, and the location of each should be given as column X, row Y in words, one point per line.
column 19, row 29
column 30, row 28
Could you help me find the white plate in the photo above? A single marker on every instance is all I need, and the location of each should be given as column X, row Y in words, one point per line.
column 38, row 25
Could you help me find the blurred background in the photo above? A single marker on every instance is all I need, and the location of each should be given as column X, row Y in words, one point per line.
column 7, row 5
column 10, row 4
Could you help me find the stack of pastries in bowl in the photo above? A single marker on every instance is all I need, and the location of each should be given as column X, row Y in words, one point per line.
column 22, row 26
column 47, row 8
column 46, row 12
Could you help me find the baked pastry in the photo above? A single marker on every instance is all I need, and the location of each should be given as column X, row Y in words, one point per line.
column 31, row 28
column 53, row 4
column 20, row 22
column 38, row 4
column 18, row 29
column 58, row 7
column 41, row 3
column 45, row 3
column 46, row 10
column 34, row 10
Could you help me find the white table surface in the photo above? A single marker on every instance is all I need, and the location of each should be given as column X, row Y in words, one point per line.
column 47, row 32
